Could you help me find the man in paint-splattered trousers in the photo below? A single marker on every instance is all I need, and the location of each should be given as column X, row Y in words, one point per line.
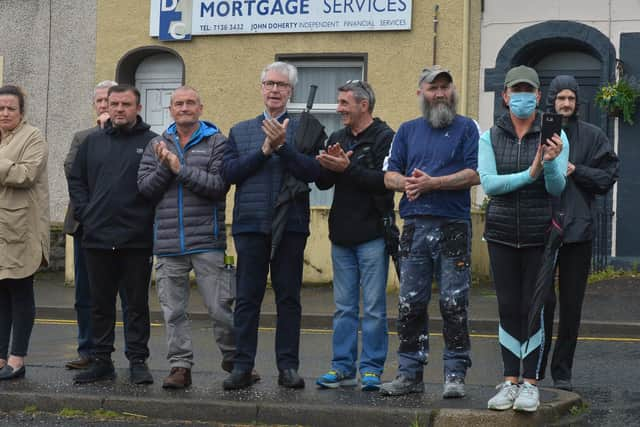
column 433, row 161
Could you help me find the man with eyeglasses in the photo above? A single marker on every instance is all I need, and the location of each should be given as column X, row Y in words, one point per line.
column 261, row 154
column 433, row 161
column 353, row 164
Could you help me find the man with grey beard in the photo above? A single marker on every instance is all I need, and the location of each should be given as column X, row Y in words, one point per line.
column 433, row 161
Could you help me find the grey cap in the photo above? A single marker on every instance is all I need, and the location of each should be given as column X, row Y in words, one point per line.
column 522, row 74
column 429, row 74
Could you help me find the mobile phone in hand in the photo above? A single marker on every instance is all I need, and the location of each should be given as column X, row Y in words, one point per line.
column 551, row 123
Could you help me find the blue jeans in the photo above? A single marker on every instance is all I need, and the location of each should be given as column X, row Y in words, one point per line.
column 363, row 266
column 434, row 247
column 83, row 300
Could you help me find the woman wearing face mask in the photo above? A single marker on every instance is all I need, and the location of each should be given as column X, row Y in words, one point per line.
column 521, row 176
column 24, row 227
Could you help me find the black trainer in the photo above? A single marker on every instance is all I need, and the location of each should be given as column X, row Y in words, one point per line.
column 98, row 370
column 563, row 384
column 238, row 380
column 139, row 372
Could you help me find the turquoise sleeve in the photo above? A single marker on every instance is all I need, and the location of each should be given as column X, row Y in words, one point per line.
column 494, row 184
column 555, row 171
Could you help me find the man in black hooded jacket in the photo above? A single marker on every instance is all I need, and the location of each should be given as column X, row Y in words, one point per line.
column 592, row 170
column 117, row 235
column 353, row 164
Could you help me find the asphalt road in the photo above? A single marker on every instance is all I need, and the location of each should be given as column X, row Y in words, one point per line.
column 606, row 371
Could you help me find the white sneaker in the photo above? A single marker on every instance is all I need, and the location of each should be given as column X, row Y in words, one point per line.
column 528, row 399
column 505, row 397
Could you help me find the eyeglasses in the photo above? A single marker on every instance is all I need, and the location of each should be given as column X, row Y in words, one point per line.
column 271, row 85
column 361, row 84
column 356, row 83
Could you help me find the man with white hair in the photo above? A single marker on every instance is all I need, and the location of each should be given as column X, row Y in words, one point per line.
column 433, row 161
column 74, row 228
column 262, row 154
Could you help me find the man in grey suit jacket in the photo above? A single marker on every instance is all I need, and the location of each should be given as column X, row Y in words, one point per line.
column 74, row 228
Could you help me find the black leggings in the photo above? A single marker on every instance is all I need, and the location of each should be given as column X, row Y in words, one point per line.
column 514, row 275
column 17, row 311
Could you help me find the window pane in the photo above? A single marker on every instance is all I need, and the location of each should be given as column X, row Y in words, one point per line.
column 328, row 76
column 331, row 122
column 328, row 79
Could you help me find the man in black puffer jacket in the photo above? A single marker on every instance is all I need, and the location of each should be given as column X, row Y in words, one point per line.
column 593, row 169
column 360, row 259
column 117, row 226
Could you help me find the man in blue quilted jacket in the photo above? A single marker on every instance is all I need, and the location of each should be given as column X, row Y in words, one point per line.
column 180, row 172
column 262, row 154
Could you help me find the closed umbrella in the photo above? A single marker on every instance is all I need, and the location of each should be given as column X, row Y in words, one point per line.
column 309, row 139
column 544, row 280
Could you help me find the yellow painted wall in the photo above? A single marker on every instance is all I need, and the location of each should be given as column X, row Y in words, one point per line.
column 226, row 69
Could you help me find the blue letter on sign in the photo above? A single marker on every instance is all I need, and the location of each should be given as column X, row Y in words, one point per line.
column 175, row 20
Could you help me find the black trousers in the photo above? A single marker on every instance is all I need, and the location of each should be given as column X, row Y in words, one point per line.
column 574, row 261
column 110, row 270
column 514, row 275
column 286, row 278
column 17, row 313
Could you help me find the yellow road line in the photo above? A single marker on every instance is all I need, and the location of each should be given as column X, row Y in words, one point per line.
column 329, row 331
column 488, row 336
column 73, row 322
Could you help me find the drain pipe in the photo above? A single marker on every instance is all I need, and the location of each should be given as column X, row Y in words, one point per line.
column 464, row 84
column 435, row 33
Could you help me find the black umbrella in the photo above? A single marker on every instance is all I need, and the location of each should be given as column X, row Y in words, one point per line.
column 544, row 280
column 309, row 139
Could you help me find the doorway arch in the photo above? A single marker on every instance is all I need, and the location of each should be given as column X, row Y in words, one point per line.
column 156, row 71
column 540, row 42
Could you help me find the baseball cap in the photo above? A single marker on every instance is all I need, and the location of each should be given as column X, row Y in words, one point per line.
column 522, row 74
column 429, row 74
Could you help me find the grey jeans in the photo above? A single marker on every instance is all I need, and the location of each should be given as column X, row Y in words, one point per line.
column 217, row 288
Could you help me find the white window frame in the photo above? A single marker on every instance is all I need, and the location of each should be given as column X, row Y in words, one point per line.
column 298, row 107
column 355, row 61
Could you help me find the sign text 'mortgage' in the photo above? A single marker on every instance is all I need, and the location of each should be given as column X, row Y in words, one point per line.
column 179, row 19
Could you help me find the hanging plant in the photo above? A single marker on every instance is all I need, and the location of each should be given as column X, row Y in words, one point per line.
column 619, row 98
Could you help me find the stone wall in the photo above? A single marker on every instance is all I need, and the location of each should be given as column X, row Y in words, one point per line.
column 57, row 249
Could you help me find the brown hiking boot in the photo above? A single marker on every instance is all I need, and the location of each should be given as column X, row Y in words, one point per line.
column 178, row 378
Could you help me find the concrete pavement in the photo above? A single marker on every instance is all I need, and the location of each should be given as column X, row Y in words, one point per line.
column 608, row 309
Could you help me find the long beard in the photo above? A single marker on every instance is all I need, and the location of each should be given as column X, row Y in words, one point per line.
column 440, row 114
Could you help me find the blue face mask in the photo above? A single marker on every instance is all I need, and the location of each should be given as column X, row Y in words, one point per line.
column 522, row 104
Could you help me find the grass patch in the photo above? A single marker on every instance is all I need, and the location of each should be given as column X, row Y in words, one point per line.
column 417, row 422
column 69, row 412
column 105, row 414
column 613, row 273
column 579, row 409
column 31, row 409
